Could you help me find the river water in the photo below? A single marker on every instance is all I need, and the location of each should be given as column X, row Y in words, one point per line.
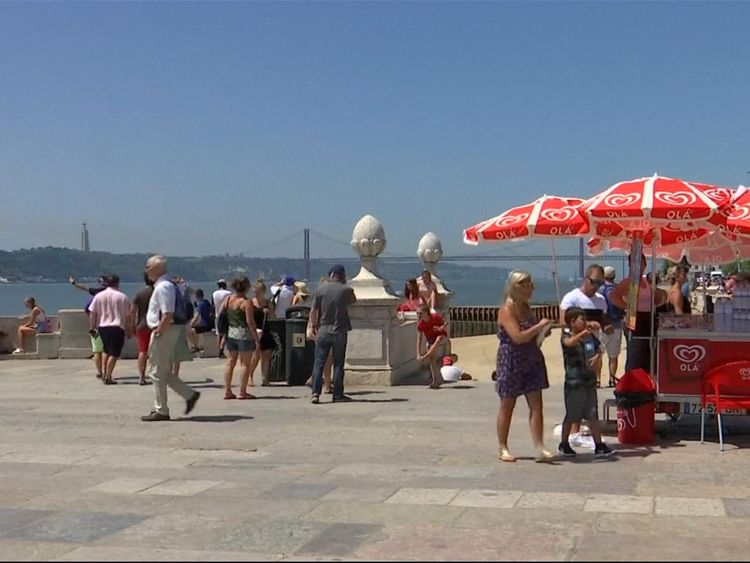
column 54, row 296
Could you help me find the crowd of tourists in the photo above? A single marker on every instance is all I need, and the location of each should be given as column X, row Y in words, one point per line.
column 169, row 319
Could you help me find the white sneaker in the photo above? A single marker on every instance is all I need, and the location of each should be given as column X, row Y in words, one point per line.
column 17, row 351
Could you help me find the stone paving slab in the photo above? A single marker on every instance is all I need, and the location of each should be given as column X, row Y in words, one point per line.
column 402, row 474
column 13, row 550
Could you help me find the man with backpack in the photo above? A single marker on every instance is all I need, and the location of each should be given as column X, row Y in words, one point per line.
column 612, row 342
column 166, row 316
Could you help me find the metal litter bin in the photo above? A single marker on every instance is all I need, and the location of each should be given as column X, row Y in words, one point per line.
column 299, row 353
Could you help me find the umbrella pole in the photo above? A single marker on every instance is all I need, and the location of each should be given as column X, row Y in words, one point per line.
column 554, row 272
column 652, row 347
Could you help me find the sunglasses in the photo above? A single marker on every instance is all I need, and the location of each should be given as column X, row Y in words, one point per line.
column 597, row 283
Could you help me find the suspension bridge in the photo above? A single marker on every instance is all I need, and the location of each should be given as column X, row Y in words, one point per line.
column 488, row 256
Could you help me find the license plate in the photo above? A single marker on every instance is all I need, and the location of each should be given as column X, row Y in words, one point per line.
column 695, row 408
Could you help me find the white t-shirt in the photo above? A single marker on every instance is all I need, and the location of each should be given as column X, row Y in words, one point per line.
column 218, row 296
column 162, row 301
column 577, row 298
column 451, row 373
column 284, row 299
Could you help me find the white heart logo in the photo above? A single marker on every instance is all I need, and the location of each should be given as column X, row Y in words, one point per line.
column 718, row 194
column 689, row 354
column 562, row 214
column 739, row 213
column 676, row 198
column 621, row 200
column 511, row 220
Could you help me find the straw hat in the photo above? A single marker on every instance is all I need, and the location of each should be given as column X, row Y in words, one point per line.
column 302, row 288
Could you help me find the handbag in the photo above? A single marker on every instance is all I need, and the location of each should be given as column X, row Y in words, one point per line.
column 222, row 321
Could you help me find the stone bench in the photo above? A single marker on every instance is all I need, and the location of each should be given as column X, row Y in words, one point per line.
column 48, row 345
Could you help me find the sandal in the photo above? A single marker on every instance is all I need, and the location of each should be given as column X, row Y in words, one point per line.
column 543, row 456
column 229, row 396
column 245, row 396
column 505, row 455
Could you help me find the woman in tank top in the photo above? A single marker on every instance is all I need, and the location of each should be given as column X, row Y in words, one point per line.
column 638, row 340
column 36, row 322
column 677, row 301
column 262, row 311
column 242, row 336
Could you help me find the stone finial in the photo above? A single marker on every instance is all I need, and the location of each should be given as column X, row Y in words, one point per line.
column 368, row 240
column 430, row 250
column 368, row 237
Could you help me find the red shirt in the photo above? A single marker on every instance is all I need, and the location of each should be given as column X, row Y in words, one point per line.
column 429, row 328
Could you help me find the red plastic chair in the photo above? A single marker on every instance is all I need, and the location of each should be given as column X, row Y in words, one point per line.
column 727, row 387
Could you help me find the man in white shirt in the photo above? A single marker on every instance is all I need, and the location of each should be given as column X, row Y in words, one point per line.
column 282, row 294
column 164, row 335
column 588, row 298
column 218, row 298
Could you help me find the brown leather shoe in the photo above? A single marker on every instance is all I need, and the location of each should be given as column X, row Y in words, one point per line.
column 155, row 417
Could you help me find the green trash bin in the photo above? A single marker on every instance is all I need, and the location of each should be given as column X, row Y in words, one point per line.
column 277, row 329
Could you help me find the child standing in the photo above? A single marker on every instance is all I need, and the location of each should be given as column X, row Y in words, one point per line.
column 581, row 350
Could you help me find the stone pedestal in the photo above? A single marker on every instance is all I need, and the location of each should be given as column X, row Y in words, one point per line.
column 381, row 350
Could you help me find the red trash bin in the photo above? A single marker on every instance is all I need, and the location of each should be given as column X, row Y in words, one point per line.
column 636, row 395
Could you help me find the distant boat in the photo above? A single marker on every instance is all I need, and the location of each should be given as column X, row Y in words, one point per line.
column 4, row 280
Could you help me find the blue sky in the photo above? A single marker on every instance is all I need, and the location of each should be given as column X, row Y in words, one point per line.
column 203, row 128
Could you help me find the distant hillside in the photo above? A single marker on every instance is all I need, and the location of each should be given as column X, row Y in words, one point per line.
column 51, row 264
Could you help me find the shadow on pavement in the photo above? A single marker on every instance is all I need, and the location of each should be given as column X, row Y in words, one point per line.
column 275, row 397
column 393, row 400
column 355, row 393
column 217, row 418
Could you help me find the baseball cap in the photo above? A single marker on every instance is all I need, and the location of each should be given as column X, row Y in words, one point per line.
column 609, row 272
column 447, row 361
column 338, row 271
column 289, row 280
column 222, row 280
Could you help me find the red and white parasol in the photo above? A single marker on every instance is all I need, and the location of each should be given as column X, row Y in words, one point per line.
column 644, row 203
column 718, row 247
column 548, row 216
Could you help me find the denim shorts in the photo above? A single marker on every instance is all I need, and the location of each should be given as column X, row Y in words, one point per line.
column 237, row 345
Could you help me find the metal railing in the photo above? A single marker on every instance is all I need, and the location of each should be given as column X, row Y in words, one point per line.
column 478, row 321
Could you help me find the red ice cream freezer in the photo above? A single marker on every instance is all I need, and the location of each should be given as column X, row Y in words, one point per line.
column 684, row 356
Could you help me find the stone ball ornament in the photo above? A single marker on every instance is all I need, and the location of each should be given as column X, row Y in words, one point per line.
column 430, row 250
column 368, row 237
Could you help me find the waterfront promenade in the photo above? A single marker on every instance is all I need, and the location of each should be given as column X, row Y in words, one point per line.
column 403, row 473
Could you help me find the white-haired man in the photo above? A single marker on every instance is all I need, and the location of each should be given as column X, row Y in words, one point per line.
column 164, row 335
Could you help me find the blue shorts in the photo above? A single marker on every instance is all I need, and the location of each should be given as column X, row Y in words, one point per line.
column 236, row 345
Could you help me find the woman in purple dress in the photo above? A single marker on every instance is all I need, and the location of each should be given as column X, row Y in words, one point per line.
column 520, row 364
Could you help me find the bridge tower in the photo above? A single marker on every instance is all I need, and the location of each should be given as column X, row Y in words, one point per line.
column 307, row 254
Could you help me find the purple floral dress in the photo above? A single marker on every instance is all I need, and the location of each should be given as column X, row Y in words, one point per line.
column 520, row 367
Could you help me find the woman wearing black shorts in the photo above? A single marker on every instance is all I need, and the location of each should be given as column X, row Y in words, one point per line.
column 262, row 311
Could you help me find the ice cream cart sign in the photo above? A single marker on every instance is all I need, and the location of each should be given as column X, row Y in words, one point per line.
column 683, row 362
column 689, row 357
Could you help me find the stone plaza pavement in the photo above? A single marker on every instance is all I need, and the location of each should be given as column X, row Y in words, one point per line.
column 403, row 473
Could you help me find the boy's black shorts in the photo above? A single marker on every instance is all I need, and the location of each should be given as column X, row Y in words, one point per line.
column 581, row 404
